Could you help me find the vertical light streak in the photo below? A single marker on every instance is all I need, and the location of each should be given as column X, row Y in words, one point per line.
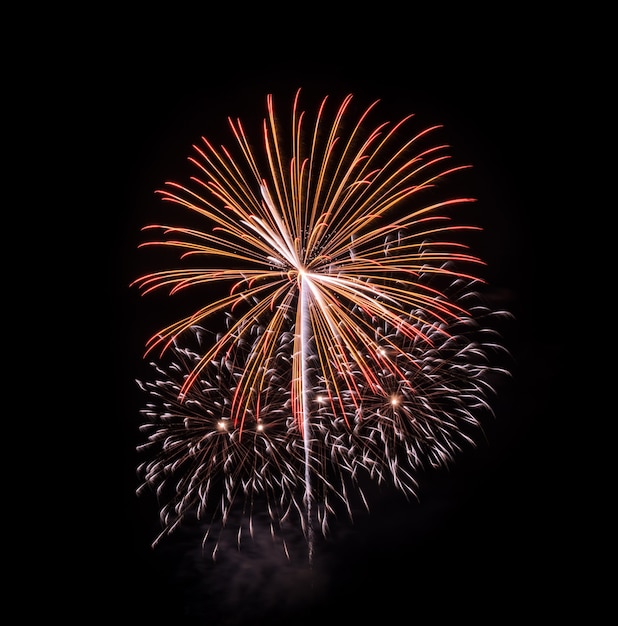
column 305, row 335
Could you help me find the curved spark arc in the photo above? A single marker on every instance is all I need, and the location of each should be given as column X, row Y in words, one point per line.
column 321, row 243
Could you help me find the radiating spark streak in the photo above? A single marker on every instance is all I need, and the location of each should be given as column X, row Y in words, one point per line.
column 353, row 344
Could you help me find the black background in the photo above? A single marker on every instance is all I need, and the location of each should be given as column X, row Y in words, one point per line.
column 498, row 536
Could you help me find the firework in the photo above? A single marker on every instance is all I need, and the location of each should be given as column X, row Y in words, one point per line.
column 354, row 342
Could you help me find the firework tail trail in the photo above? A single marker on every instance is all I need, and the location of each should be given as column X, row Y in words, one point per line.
column 305, row 333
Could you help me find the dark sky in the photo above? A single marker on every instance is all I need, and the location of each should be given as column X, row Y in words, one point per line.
column 490, row 538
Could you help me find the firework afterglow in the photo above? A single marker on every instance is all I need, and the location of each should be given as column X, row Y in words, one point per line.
column 354, row 342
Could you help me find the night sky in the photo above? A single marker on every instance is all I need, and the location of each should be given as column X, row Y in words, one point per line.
column 495, row 535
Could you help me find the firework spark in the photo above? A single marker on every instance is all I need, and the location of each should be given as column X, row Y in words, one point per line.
column 354, row 341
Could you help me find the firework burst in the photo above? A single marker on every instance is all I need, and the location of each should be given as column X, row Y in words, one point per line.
column 355, row 341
